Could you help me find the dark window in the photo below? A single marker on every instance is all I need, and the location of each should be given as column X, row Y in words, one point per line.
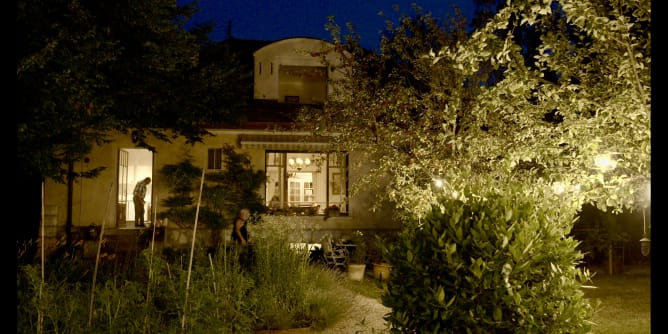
column 291, row 99
column 215, row 158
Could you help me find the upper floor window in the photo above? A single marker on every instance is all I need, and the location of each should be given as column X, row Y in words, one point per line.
column 214, row 160
column 306, row 182
column 302, row 84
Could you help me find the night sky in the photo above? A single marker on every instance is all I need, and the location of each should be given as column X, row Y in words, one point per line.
column 278, row 19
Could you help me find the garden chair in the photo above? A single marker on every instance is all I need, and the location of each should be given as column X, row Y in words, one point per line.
column 335, row 258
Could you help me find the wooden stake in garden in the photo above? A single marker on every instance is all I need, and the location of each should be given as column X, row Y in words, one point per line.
column 150, row 262
column 192, row 251
column 40, row 317
column 97, row 257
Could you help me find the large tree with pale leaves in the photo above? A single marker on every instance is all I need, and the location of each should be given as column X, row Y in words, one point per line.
column 487, row 110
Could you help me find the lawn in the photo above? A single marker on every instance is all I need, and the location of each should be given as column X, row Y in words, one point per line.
column 625, row 301
column 624, row 297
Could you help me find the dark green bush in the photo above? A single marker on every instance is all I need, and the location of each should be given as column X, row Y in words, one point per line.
column 495, row 265
column 223, row 193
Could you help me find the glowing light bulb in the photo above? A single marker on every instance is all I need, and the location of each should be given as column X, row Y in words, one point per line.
column 604, row 162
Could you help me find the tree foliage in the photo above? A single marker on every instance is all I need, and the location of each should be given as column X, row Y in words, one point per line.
column 224, row 192
column 89, row 69
column 533, row 97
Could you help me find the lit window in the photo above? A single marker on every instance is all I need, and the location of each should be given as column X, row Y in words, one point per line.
column 306, row 182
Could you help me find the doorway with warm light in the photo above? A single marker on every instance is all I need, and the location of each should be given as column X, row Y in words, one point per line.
column 133, row 166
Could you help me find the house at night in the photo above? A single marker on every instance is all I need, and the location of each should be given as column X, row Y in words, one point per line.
column 304, row 176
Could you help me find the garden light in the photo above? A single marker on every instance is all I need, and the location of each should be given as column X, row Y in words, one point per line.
column 605, row 162
column 644, row 246
column 645, row 241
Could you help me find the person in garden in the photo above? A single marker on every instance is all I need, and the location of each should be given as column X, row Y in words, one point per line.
column 138, row 196
column 240, row 236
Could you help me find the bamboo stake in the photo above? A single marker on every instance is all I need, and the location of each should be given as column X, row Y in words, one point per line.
column 150, row 264
column 97, row 257
column 192, row 251
column 40, row 316
column 213, row 279
column 213, row 273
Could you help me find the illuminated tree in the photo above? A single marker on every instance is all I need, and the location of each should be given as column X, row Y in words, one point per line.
column 540, row 110
column 486, row 113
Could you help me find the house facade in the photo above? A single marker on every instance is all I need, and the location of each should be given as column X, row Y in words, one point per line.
column 305, row 178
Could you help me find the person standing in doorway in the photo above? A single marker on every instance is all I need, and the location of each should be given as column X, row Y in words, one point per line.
column 138, row 198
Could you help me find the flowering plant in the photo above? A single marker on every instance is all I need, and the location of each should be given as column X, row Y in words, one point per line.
column 332, row 210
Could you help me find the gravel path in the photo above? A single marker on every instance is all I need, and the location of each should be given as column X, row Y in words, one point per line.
column 364, row 317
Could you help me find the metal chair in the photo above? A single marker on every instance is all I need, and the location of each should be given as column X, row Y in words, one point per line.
column 335, row 258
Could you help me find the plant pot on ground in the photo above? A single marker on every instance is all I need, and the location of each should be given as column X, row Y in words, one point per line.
column 357, row 258
column 377, row 249
column 381, row 271
column 356, row 271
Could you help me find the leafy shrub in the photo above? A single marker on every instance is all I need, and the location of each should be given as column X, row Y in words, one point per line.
column 377, row 244
column 223, row 193
column 359, row 254
column 494, row 265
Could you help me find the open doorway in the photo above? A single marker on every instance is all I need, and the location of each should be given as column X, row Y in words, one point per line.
column 134, row 165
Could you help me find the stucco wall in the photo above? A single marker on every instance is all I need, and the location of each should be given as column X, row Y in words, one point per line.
column 292, row 51
column 94, row 200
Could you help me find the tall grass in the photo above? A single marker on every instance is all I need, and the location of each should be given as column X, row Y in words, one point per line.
column 278, row 290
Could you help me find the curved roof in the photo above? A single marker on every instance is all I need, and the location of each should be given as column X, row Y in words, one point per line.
column 292, row 44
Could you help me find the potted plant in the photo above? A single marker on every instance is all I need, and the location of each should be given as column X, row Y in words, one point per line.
column 357, row 257
column 332, row 210
column 378, row 247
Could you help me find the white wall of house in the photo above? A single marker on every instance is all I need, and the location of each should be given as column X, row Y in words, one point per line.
column 288, row 52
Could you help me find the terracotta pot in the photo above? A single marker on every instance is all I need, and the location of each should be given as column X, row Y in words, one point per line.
column 356, row 271
column 381, row 271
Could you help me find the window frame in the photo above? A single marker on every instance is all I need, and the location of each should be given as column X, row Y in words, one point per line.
column 214, row 159
column 324, row 165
